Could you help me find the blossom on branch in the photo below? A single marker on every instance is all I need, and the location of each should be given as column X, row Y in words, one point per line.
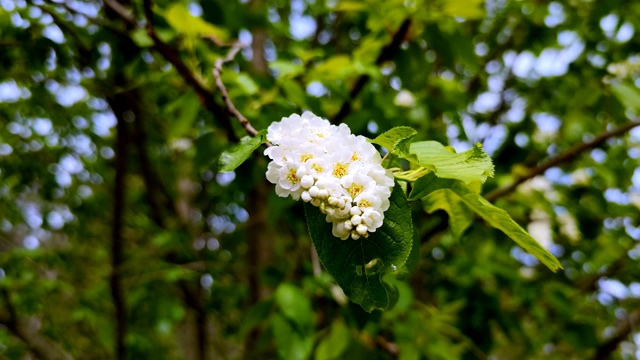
column 329, row 167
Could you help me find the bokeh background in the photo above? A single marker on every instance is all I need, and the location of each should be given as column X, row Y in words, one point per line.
column 119, row 238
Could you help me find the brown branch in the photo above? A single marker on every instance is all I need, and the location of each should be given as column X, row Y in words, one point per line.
column 118, row 106
column 564, row 157
column 121, row 11
column 623, row 330
column 157, row 194
column 385, row 55
column 388, row 346
column 204, row 95
column 217, row 72
column 315, row 261
column 26, row 329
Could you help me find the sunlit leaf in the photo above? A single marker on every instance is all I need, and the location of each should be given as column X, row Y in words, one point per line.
column 350, row 6
column 495, row 217
column 179, row 17
column 397, row 140
column 629, row 96
column 460, row 215
column 234, row 157
column 471, row 165
column 468, row 9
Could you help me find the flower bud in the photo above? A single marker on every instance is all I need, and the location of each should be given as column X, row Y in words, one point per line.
column 323, row 194
column 333, row 201
column 348, row 225
column 307, row 181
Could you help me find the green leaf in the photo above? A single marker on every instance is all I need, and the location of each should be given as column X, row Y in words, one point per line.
column 460, row 215
column 471, row 165
column 350, row 6
column 255, row 315
column 179, row 17
column 468, row 9
column 500, row 220
column 247, row 84
column 294, row 305
column 234, row 157
column 286, row 69
column 140, row 37
column 358, row 265
column 334, row 68
column 427, row 184
column 295, row 93
column 333, row 345
column 291, row 344
column 629, row 96
column 397, row 140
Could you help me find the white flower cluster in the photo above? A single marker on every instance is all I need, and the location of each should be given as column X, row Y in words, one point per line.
column 332, row 169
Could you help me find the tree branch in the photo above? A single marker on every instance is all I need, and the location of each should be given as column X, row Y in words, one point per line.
column 26, row 329
column 624, row 328
column 564, row 157
column 118, row 106
column 217, row 72
column 158, row 196
column 121, row 11
column 204, row 95
column 385, row 55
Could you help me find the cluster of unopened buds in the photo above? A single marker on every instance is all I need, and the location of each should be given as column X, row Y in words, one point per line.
column 329, row 167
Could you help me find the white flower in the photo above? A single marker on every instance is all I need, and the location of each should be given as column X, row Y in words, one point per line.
column 328, row 167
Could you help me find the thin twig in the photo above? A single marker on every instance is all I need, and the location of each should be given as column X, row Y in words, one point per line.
column 204, row 95
column 564, row 157
column 315, row 261
column 217, row 72
column 385, row 55
column 121, row 11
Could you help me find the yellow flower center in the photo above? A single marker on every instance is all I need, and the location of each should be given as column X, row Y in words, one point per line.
column 305, row 157
column 317, row 168
column 292, row 177
column 355, row 190
column 364, row 203
column 355, row 157
column 340, row 170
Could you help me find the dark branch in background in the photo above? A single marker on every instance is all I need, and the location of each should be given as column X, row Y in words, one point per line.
column 121, row 11
column 194, row 298
column 204, row 95
column 564, row 157
column 117, row 242
column 385, row 55
column 157, row 194
column 26, row 329
column 217, row 72
column 623, row 330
